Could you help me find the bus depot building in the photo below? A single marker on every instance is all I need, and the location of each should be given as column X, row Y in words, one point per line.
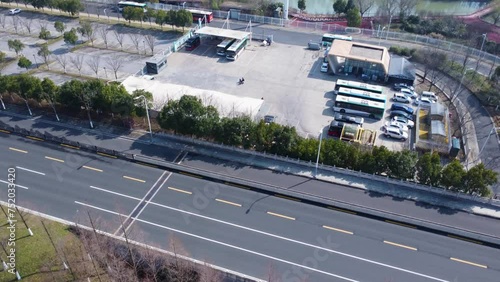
column 368, row 61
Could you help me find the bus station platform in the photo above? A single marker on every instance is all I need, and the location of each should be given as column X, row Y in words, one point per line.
column 225, row 33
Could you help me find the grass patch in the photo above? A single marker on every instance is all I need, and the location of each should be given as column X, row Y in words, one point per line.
column 36, row 258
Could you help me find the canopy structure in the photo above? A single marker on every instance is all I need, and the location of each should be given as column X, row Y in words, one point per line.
column 221, row 32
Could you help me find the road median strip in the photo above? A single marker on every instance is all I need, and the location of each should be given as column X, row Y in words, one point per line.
column 342, row 210
column 106, row 155
column 35, row 138
column 469, row 262
column 465, row 239
column 400, row 224
column 69, row 146
column 287, row 198
column 400, row 245
column 338, row 230
column 280, row 215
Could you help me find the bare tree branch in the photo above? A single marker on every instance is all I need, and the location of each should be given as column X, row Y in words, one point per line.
column 77, row 62
column 16, row 23
column 136, row 40
column 119, row 37
column 103, row 33
column 63, row 61
column 94, row 63
column 150, row 40
column 115, row 63
column 27, row 23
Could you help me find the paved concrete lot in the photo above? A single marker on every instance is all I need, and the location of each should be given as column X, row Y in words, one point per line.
column 286, row 77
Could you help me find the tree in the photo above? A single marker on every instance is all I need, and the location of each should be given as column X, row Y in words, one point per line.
column 72, row 7
column 68, row 94
column 388, row 8
column 477, row 180
column 349, row 5
column 27, row 23
column 91, row 89
column 16, row 45
column 161, row 18
column 406, row 7
column 151, row 41
column 2, row 21
column 171, row 17
column 77, row 62
column 234, row 131
column 24, row 63
column 49, row 93
column 133, row 13
column 183, row 18
column 2, row 61
column 381, row 155
column 364, row 5
column 301, row 5
column 103, row 32
column 59, row 26
column 70, row 37
column 136, row 40
column 429, row 169
column 402, row 164
column 183, row 115
column 63, row 61
column 94, row 63
column 452, row 176
column 86, row 29
column 119, row 37
column 29, row 87
column 39, row 4
column 115, row 63
column 353, row 17
column 15, row 23
column 45, row 53
column 44, row 34
column 339, row 6
column 140, row 108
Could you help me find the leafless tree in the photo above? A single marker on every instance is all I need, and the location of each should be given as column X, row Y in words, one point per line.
column 94, row 63
column 63, row 61
column 364, row 5
column 136, row 40
column 115, row 63
column 388, row 8
column 2, row 21
column 406, row 7
column 77, row 62
column 119, row 37
column 150, row 40
column 27, row 23
column 103, row 32
column 16, row 23
column 209, row 274
column 42, row 25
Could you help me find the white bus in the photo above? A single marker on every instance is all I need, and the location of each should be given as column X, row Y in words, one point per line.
column 328, row 38
column 224, row 45
column 357, row 106
column 123, row 4
column 235, row 50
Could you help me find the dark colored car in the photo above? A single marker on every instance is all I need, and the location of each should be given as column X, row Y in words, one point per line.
column 349, row 119
column 402, row 107
column 335, row 129
column 192, row 43
column 269, row 119
column 401, row 114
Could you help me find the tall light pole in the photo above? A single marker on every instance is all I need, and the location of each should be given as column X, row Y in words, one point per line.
column 380, row 37
column 461, row 82
column 319, row 150
column 484, row 35
column 387, row 35
column 285, row 12
column 147, row 114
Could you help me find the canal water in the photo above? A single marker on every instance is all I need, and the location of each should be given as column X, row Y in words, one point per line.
column 423, row 7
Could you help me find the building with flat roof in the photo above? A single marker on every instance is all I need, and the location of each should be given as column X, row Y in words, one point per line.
column 360, row 59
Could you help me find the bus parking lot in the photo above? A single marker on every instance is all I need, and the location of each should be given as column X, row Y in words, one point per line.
column 286, row 77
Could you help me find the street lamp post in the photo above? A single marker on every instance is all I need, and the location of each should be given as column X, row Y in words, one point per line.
column 380, row 37
column 319, row 150
column 147, row 114
column 387, row 35
column 482, row 44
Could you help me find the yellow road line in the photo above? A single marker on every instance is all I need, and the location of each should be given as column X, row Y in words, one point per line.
column 465, row 239
column 106, row 155
column 92, row 168
column 189, row 174
column 287, row 198
column 341, row 210
column 34, row 138
column 400, row 245
column 180, row 190
column 69, row 146
column 18, row 150
column 236, row 185
column 338, row 230
column 4, row 131
column 145, row 164
column 135, row 179
column 401, row 224
column 228, row 202
column 54, row 159
column 469, row 262
column 282, row 216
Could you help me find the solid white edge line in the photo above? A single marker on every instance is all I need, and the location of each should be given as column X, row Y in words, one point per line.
column 17, row 185
column 100, row 209
column 33, row 171
column 115, row 193
column 300, row 242
column 70, row 223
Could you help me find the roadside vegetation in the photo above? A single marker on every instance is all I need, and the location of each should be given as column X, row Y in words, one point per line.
column 188, row 116
column 58, row 252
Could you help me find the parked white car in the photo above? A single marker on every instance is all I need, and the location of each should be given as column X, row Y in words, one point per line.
column 397, row 125
column 424, row 102
column 404, row 121
column 14, row 11
column 324, row 67
column 402, row 98
column 396, row 133
column 410, row 93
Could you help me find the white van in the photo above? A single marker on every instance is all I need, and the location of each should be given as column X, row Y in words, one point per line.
column 429, row 95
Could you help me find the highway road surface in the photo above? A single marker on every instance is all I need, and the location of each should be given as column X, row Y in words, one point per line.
column 235, row 228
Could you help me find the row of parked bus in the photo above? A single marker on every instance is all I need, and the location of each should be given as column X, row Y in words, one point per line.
column 231, row 48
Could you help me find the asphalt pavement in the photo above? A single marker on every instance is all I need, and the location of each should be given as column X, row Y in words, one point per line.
column 218, row 223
